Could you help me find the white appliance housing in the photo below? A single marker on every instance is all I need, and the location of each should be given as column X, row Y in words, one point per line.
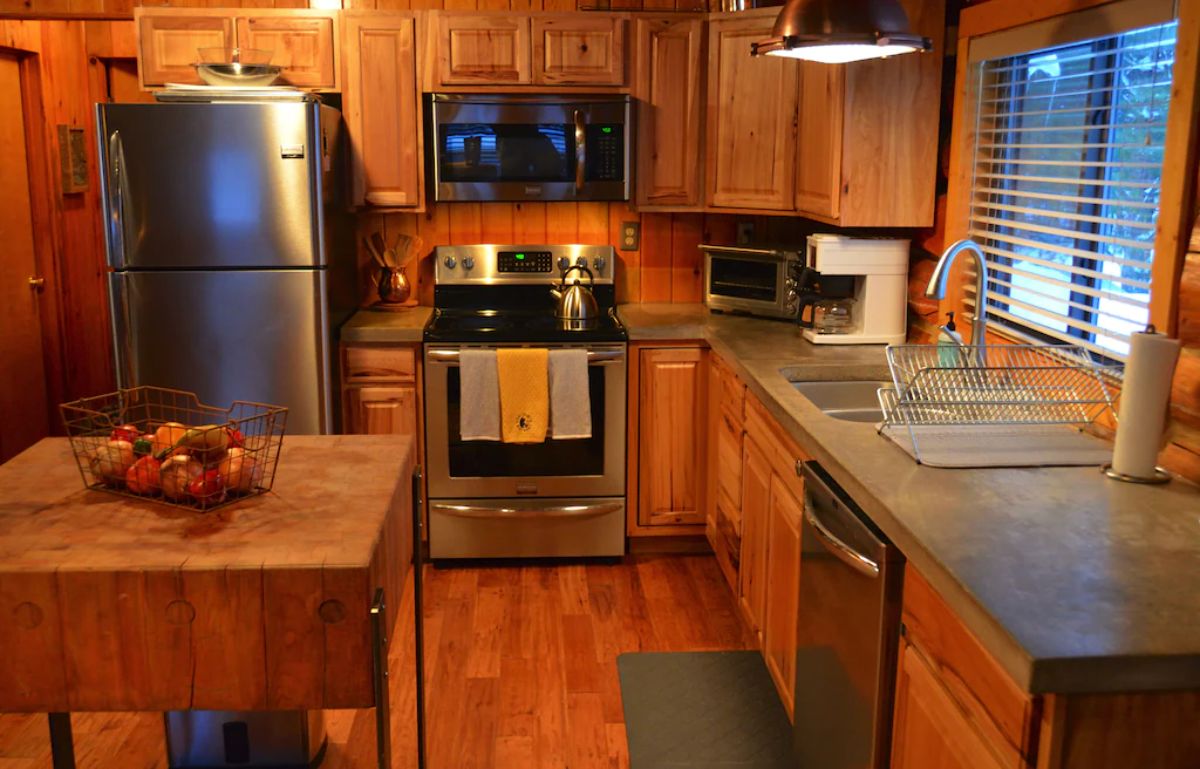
column 880, row 270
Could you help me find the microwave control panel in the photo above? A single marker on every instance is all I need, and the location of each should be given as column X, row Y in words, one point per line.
column 605, row 159
column 524, row 261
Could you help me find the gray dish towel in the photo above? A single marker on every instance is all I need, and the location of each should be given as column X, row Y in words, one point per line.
column 479, row 412
column 570, row 398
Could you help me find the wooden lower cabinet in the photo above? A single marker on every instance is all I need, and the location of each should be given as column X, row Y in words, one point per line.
column 756, row 507
column 783, row 589
column 930, row 730
column 382, row 410
column 671, row 395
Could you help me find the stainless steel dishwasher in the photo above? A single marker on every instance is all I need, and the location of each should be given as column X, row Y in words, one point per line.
column 847, row 634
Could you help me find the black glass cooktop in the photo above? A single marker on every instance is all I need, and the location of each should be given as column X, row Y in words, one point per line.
column 512, row 325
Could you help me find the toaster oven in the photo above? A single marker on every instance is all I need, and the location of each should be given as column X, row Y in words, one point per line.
column 754, row 281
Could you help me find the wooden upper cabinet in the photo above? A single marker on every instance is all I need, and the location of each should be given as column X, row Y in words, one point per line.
column 819, row 144
column 302, row 43
column 168, row 44
column 579, row 49
column 483, row 49
column 382, row 108
column 669, row 86
column 672, row 394
column 752, row 119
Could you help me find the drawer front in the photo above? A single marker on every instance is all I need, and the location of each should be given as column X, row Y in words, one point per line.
column 1000, row 711
column 380, row 364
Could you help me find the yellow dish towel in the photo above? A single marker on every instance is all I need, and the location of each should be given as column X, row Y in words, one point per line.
column 524, row 394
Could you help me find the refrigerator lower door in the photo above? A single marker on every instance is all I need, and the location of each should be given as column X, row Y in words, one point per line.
column 253, row 335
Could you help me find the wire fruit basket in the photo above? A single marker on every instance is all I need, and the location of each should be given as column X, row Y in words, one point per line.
column 961, row 400
column 162, row 444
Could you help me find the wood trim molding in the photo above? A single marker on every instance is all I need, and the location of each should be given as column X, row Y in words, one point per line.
column 995, row 15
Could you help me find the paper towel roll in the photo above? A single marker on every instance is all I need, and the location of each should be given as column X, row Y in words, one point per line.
column 1144, row 397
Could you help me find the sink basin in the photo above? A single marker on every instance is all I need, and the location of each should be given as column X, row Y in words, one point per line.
column 853, row 401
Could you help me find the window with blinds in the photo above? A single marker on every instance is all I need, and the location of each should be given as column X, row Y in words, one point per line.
column 1065, row 194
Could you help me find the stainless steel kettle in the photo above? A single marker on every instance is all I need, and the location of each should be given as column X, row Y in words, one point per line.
column 576, row 304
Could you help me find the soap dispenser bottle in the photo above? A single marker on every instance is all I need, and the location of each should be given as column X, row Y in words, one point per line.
column 948, row 342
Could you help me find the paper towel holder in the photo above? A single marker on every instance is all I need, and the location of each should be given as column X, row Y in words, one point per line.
column 1160, row 476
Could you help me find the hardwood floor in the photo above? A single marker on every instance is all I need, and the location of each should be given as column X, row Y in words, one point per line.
column 520, row 663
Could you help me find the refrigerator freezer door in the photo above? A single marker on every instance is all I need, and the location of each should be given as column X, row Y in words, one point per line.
column 254, row 335
column 204, row 186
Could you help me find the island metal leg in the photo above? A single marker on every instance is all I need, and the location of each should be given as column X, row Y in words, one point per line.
column 383, row 720
column 62, row 744
column 419, row 607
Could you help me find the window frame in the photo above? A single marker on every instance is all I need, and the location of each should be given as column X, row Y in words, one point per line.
column 1179, row 156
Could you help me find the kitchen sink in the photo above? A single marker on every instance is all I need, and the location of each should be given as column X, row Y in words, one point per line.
column 853, row 400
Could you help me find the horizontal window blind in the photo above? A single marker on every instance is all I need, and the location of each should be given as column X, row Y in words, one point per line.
column 1065, row 191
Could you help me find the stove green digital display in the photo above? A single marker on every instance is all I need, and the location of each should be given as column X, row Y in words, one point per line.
column 519, row 257
column 524, row 261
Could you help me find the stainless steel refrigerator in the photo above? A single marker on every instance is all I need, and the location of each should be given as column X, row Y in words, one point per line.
column 231, row 266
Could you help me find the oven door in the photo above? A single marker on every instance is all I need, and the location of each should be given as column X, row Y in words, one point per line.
column 592, row 467
column 510, row 148
column 750, row 282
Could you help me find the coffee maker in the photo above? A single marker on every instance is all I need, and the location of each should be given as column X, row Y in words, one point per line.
column 854, row 290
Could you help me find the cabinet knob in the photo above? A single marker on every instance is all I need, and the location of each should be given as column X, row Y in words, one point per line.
column 37, row 284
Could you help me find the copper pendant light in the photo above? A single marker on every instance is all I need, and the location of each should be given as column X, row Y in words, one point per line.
column 840, row 31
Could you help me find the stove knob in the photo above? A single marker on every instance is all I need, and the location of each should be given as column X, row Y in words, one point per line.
column 468, row 262
column 598, row 263
column 450, row 262
column 581, row 261
column 563, row 263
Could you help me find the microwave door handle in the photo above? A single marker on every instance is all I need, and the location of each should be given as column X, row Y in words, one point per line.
column 580, row 150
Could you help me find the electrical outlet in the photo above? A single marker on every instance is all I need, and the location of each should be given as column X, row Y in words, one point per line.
column 631, row 236
column 745, row 233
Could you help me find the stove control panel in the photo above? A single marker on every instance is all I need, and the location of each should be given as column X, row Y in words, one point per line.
column 524, row 261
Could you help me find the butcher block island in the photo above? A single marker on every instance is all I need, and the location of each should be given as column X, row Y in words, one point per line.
column 118, row 604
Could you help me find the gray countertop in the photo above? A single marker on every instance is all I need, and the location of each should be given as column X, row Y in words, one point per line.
column 1075, row 583
column 387, row 326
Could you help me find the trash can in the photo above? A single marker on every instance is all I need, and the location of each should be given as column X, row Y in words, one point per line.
column 224, row 739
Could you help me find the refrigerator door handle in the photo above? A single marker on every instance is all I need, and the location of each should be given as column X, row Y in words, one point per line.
column 123, row 330
column 116, row 198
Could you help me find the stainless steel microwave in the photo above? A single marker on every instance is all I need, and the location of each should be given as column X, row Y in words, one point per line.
column 514, row 147
column 755, row 281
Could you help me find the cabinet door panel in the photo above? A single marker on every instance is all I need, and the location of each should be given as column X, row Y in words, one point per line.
column 168, row 45
column 672, row 393
column 383, row 110
column 929, row 730
column 752, row 114
column 381, row 410
column 729, row 465
column 579, row 50
column 783, row 589
column 483, row 50
column 669, row 80
column 302, row 44
column 819, row 146
column 756, row 496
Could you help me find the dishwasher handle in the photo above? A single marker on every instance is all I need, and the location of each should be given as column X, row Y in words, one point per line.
column 848, row 555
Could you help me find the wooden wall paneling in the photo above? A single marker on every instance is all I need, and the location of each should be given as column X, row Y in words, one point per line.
column 562, row 222
column 466, row 224
column 529, row 223
column 629, row 263
column 593, row 223
column 499, row 222
column 434, row 228
column 687, row 263
column 558, row 5
column 656, row 258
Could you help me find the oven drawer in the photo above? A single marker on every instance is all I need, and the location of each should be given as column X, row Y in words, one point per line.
column 526, row 528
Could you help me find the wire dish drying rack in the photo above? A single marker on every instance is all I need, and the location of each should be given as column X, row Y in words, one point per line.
column 995, row 405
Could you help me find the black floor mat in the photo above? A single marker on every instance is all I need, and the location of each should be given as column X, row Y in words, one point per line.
column 703, row 710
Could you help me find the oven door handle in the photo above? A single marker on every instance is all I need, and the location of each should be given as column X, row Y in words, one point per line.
column 563, row 511
column 580, row 150
column 593, row 356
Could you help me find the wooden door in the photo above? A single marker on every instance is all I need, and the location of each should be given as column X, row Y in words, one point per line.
column 383, row 110
column 752, row 119
column 819, row 143
column 671, row 407
column 583, row 49
column 483, row 50
column 302, row 42
column 929, row 731
column 783, row 588
column 169, row 43
column 669, row 81
column 756, row 498
column 23, row 400
column 377, row 410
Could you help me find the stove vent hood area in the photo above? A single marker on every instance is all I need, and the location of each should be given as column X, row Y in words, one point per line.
column 841, row 31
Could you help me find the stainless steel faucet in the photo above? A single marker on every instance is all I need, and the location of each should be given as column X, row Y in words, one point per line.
column 937, row 288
